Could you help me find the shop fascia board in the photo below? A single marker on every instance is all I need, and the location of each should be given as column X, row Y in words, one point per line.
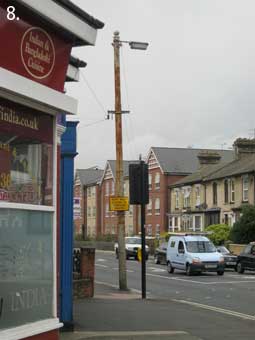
column 60, row 17
column 29, row 93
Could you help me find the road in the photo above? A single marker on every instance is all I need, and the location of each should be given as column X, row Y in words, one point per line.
column 231, row 294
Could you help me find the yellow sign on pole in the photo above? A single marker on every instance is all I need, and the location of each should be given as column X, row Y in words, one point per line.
column 119, row 204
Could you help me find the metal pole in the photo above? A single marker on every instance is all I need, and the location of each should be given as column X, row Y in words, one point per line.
column 119, row 165
column 143, row 236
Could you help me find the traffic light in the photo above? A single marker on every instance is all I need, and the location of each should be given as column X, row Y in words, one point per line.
column 138, row 183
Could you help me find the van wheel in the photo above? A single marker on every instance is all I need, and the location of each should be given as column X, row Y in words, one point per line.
column 188, row 270
column 170, row 269
column 240, row 268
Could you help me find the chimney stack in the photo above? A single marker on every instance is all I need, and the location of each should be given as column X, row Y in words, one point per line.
column 244, row 147
column 208, row 158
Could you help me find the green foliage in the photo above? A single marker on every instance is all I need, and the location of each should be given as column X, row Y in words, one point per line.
column 78, row 237
column 219, row 233
column 243, row 230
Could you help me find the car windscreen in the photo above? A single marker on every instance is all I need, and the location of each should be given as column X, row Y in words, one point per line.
column 132, row 240
column 223, row 250
column 200, row 247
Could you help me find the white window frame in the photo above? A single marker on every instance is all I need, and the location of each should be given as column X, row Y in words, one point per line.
column 150, row 181
column 157, row 180
column 113, row 188
column 149, row 207
column 157, row 206
column 106, row 209
column 177, row 198
column 157, row 231
column 149, row 229
column 232, row 191
column 186, row 197
column 194, row 223
column 198, row 195
column 42, row 326
column 107, row 188
column 245, row 184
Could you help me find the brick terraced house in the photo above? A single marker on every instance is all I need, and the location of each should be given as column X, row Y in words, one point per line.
column 166, row 167
column 87, row 202
column 109, row 218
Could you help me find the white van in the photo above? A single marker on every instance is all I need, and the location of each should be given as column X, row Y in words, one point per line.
column 193, row 253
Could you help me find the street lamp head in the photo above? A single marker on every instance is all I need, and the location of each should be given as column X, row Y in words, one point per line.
column 136, row 45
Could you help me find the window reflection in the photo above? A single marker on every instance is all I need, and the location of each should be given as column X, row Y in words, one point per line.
column 25, row 171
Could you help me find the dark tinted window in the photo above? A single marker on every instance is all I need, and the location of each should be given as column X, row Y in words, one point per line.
column 180, row 247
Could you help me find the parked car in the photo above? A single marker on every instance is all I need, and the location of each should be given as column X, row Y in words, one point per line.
column 246, row 260
column 160, row 254
column 230, row 259
column 193, row 253
column 132, row 244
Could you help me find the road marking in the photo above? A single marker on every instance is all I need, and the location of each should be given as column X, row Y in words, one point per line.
column 242, row 277
column 129, row 334
column 101, row 260
column 101, row 265
column 217, row 309
column 198, row 282
column 128, row 270
column 176, row 279
column 157, row 270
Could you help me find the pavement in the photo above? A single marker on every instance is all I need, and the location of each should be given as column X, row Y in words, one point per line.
column 115, row 314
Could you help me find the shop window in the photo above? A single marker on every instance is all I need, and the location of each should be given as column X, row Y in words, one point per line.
column 26, row 155
column 26, row 266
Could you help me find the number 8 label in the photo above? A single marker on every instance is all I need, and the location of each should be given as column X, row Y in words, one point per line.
column 11, row 13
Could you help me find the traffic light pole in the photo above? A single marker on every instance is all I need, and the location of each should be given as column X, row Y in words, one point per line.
column 143, row 251
column 143, row 278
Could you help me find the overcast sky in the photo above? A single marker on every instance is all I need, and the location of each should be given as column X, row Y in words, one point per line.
column 194, row 86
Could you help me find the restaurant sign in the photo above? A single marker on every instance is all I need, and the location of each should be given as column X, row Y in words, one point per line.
column 33, row 50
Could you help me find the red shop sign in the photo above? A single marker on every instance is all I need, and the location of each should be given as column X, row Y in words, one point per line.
column 24, row 123
column 32, row 50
